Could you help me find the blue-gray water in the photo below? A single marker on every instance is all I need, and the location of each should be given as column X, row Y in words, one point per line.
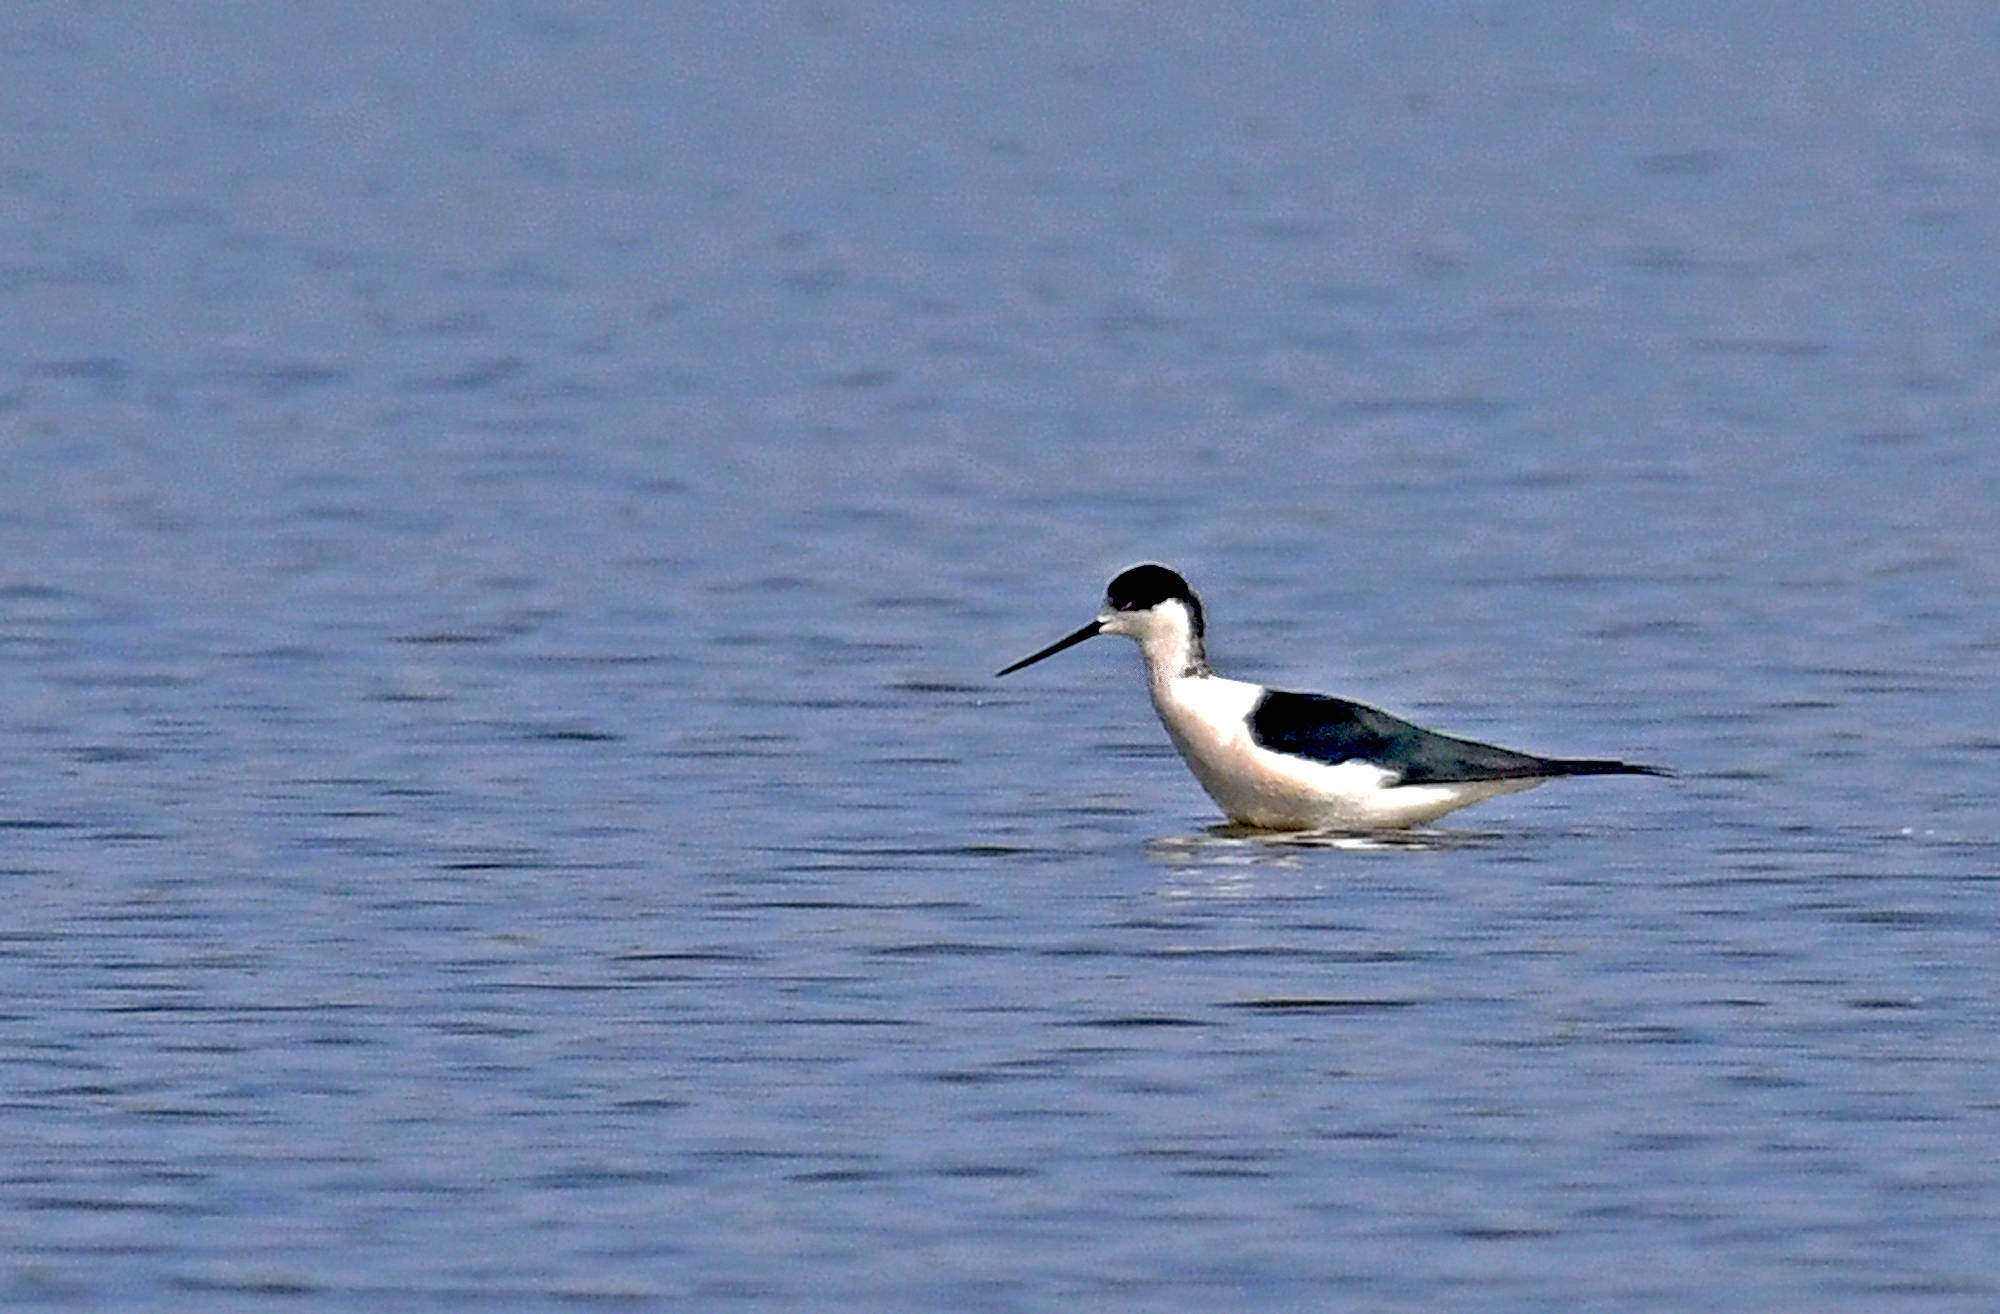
column 509, row 513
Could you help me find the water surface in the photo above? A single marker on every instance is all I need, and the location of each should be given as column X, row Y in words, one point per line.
column 508, row 524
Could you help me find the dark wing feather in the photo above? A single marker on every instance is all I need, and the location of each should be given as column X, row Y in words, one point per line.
column 1334, row 730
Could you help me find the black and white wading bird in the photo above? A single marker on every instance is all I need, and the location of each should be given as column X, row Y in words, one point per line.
column 1299, row 761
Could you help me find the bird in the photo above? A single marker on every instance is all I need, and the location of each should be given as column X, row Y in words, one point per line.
column 1276, row 760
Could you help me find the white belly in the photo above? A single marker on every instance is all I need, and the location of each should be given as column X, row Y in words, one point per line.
column 1208, row 719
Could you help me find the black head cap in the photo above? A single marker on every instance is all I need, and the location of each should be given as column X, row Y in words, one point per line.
column 1149, row 585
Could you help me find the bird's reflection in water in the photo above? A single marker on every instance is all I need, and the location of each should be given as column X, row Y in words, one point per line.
column 1228, row 858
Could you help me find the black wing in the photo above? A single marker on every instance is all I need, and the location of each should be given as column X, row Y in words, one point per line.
column 1334, row 730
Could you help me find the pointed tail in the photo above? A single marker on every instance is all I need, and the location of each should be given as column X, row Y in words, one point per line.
column 1588, row 766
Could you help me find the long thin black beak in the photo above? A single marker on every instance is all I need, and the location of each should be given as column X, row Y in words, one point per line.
column 1089, row 631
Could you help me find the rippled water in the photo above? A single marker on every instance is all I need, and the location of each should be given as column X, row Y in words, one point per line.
column 508, row 523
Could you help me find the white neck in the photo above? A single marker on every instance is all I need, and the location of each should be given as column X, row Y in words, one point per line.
column 1166, row 638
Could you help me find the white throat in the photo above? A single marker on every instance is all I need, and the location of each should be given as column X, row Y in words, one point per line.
column 1167, row 639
